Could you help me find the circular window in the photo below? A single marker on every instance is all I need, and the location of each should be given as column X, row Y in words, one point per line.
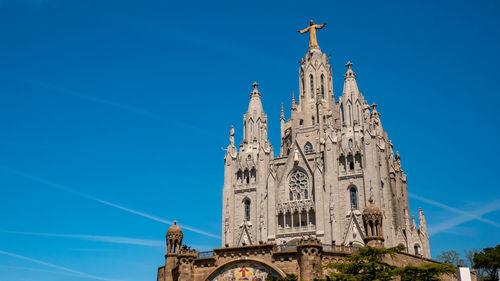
column 298, row 181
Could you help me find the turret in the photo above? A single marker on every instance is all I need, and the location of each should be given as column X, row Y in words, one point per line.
column 174, row 239
column 174, row 244
column 372, row 220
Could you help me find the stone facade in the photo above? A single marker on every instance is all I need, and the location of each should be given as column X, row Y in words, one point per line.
column 333, row 156
column 336, row 185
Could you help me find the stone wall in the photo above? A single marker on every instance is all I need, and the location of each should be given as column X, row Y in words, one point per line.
column 304, row 260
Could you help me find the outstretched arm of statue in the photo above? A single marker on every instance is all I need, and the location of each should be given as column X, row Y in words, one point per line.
column 303, row 31
column 320, row 26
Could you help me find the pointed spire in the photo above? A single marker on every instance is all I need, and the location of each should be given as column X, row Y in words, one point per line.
column 255, row 120
column 255, row 90
column 255, row 105
column 282, row 116
column 294, row 104
column 374, row 110
column 349, row 73
column 421, row 221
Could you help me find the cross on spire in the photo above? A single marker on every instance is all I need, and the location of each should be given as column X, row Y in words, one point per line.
column 175, row 222
column 348, row 65
column 373, row 105
column 255, row 85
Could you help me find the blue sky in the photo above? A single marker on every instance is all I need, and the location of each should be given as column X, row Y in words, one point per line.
column 113, row 115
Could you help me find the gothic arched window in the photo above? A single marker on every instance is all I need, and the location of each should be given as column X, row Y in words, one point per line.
column 298, row 183
column 322, row 86
column 247, row 209
column 306, row 194
column 311, row 77
column 354, row 198
column 308, row 147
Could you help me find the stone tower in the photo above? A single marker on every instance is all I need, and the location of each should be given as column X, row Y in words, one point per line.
column 246, row 173
column 332, row 154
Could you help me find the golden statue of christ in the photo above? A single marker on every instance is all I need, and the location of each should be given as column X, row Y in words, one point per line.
column 313, row 43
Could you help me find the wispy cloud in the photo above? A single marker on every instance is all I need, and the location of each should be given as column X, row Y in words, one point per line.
column 87, row 196
column 62, row 268
column 471, row 215
column 97, row 238
column 448, row 224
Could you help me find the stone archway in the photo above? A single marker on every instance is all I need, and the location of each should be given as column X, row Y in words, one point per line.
column 247, row 269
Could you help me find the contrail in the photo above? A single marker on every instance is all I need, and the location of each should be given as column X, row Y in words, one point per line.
column 458, row 211
column 81, row 274
column 38, row 270
column 97, row 238
column 70, row 190
column 154, row 218
column 491, row 207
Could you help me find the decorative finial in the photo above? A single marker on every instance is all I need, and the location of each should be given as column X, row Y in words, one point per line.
column 255, row 85
column 175, row 222
column 348, row 65
column 374, row 105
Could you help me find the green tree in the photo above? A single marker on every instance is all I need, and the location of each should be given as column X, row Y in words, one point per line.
column 288, row 277
column 451, row 257
column 426, row 272
column 489, row 260
column 368, row 265
column 365, row 265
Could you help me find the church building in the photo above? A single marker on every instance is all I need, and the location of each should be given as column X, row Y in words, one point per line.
column 336, row 184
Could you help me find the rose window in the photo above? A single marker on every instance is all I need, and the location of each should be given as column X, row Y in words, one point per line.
column 298, row 185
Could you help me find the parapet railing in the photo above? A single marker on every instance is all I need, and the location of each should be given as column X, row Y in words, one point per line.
column 290, row 248
column 206, row 254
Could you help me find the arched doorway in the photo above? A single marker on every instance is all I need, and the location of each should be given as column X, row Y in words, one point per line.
column 242, row 270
